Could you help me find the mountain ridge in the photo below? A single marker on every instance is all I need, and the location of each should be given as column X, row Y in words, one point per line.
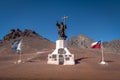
column 83, row 41
column 32, row 41
column 29, row 37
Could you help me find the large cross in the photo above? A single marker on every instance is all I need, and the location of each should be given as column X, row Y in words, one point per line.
column 64, row 19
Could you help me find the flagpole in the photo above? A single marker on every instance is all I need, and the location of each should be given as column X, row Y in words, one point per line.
column 20, row 56
column 102, row 51
column 20, row 53
column 102, row 54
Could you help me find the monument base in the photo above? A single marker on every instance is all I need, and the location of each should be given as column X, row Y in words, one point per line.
column 61, row 55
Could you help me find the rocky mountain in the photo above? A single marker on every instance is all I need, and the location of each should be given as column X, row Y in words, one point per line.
column 113, row 46
column 32, row 42
column 81, row 41
column 13, row 34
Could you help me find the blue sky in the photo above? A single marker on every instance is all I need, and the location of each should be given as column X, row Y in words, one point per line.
column 97, row 19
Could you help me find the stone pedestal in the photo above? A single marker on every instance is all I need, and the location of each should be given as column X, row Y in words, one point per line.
column 61, row 55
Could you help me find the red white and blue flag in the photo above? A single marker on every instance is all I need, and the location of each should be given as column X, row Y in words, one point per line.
column 96, row 44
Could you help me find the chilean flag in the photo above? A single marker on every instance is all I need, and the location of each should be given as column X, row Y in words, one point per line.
column 96, row 44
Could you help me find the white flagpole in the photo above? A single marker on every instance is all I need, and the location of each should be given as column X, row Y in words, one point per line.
column 20, row 52
column 102, row 51
column 102, row 55
column 20, row 57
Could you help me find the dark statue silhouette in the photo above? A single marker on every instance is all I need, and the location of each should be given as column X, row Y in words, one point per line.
column 61, row 30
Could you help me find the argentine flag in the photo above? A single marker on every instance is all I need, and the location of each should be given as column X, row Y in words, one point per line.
column 16, row 45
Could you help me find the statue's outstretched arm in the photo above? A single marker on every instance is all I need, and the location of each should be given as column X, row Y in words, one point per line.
column 58, row 24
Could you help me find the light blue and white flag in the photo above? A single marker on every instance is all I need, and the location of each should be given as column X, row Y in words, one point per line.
column 16, row 45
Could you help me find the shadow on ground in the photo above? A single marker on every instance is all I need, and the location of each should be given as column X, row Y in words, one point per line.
column 77, row 61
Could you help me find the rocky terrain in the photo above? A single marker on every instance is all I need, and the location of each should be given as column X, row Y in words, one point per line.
column 81, row 41
column 113, row 46
column 35, row 50
column 35, row 67
column 84, row 42
column 29, row 37
column 31, row 40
